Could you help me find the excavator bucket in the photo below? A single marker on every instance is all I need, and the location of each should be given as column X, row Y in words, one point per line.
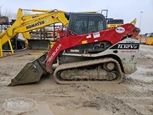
column 31, row 72
column 38, row 44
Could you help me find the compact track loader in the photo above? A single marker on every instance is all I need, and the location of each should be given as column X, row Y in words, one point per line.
column 84, row 50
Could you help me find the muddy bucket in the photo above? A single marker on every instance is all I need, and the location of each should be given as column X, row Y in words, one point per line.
column 31, row 72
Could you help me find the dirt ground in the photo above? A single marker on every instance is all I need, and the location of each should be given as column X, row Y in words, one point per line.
column 132, row 97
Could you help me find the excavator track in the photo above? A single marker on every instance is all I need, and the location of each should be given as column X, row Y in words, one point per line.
column 62, row 73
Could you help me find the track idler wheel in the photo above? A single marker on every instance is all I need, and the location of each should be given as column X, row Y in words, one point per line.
column 109, row 66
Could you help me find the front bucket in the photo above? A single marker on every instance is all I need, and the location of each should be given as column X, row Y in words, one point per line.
column 31, row 72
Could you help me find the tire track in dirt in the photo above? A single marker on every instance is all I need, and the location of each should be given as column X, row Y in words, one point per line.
column 116, row 106
column 90, row 97
column 134, row 93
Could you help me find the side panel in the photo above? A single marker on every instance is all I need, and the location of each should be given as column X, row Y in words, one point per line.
column 125, row 52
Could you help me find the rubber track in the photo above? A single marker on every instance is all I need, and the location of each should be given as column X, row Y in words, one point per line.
column 87, row 63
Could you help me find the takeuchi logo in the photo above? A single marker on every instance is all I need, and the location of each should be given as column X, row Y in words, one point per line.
column 120, row 29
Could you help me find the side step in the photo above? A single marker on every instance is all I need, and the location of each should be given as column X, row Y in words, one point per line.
column 31, row 72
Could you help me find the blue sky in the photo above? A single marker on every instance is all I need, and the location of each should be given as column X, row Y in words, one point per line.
column 121, row 9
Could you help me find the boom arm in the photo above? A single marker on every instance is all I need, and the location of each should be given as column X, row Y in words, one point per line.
column 26, row 23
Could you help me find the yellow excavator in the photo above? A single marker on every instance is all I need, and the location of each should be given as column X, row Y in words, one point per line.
column 25, row 23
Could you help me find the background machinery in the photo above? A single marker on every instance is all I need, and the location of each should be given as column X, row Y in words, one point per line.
column 111, row 23
column 149, row 38
column 84, row 49
column 21, row 25
column 142, row 38
column 12, row 44
column 146, row 38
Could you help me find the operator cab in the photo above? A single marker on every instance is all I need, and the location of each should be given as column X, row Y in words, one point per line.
column 83, row 23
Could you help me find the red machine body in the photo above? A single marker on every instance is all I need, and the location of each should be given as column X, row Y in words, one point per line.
column 111, row 35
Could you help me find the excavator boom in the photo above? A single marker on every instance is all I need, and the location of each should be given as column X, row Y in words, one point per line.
column 25, row 23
